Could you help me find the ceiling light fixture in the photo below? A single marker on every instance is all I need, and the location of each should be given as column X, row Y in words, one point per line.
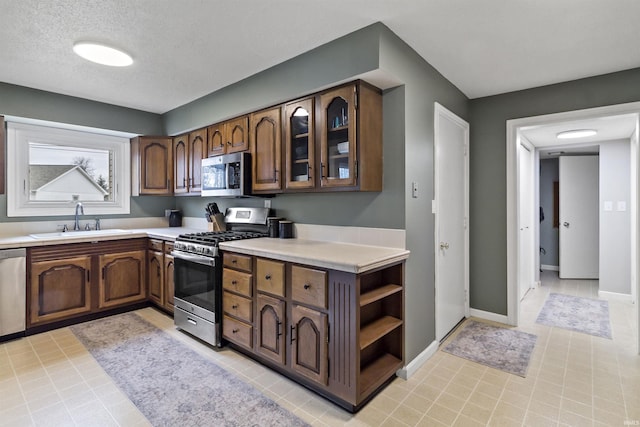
column 102, row 54
column 577, row 133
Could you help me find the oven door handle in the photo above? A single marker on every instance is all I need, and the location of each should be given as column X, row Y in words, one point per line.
column 195, row 258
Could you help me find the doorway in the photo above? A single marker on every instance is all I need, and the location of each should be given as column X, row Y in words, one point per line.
column 602, row 116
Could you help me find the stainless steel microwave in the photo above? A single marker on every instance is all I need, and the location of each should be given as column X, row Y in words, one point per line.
column 228, row 175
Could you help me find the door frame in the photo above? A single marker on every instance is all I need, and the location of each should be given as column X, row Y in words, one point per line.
column 512, row 170
column 440, row 110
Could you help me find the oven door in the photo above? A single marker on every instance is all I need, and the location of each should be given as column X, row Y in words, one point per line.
column 198, row 282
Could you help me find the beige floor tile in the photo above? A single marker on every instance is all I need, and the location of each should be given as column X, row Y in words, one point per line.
column 442, row 414
column 578, row 408
column 407, row 415
column 451, row 402
column 464, row 421
column 572, row 419
column 483, row 400
column 534, row 420
column 477, row 413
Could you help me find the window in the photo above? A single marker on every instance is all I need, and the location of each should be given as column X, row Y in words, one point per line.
column 50, row 169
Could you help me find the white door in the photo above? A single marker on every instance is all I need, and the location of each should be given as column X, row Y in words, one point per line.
column 526, row 216
column 579, row 241
column 451, row 215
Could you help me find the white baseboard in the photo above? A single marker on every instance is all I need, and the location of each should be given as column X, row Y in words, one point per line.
column 614, row 296
column 411, row 368
column 487, row 315
column 550, row 267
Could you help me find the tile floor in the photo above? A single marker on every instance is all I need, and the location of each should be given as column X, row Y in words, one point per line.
column 573, row 380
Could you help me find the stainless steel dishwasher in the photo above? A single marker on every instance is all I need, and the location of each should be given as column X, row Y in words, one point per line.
column 13, row 291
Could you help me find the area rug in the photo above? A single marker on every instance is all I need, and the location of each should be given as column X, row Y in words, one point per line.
column 498, row 348
column 171, row 384
column 586, row 315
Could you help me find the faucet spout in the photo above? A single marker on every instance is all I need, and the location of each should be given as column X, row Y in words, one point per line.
column 79, row 211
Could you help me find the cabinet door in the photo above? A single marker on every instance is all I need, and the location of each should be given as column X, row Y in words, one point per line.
column 59, row 289
column 197, row 151
column 300, row 145
column 309, row 343
column 270, row 337
column 169, row 288
column 155, row 276
column 266, row 143
column 237, row 134
column 122, row 278
column 216, row 144
column 181, row 164
column 338, row 151
column 156, row 165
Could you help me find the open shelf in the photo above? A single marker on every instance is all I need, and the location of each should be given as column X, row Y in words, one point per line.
column 377, row 372
column 378, row 294
column 377, row 329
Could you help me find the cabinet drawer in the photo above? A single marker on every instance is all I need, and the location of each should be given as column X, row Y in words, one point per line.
column 309, row 286
column 270, row 276
column 156, row 245
column 240, row 262
column 237, row 332
column 237, row 306
column 237, row 282
column 168, row 247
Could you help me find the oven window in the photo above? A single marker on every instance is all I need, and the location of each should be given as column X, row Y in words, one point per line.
column 195, row 283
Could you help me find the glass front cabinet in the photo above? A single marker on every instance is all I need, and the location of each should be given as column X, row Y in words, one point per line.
column 300, row 144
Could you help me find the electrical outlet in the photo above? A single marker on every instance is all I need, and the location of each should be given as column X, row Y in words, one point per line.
column 267, row 203
column 167, row 212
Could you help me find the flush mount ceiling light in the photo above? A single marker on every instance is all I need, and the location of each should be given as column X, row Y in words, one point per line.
column 577, row 133
column 102, row 54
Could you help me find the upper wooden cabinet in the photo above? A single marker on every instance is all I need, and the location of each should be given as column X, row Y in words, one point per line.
column 299, row 144
column 350, row 122
column 266, row 150
column 228, row 137
column 151, row 165
column 188, row 152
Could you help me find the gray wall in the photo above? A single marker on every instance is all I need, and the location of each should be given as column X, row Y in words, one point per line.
column 488, row 232
column 615, row 224
column 37, row 104
column 408, row 110
column 548, row 233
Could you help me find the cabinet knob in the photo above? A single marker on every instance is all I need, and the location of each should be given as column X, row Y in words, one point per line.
column 234, row 306
column 234, row 261
column 267, row 277
column 234, row 331
column 234, row 282
column 228, row 142
column 307, row 286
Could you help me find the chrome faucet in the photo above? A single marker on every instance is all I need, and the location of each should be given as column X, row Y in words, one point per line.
column 76, row 225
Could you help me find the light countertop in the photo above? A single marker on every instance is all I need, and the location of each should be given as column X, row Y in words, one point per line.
column 347, row 257
column 57, row 238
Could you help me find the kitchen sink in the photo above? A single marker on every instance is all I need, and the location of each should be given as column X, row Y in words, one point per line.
column 79, row 234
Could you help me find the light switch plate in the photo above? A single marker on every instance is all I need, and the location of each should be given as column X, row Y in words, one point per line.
column 608, row 206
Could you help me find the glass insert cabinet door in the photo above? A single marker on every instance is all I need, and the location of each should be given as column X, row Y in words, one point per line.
column 338, row 137
column 300, row 148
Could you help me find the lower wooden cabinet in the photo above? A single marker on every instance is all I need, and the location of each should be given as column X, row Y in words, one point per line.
column 71, row 280
column 340, row 334
column 160, row 267
column 59, row 289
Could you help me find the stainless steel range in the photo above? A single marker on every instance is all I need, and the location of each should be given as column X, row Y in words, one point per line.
column 198, row 272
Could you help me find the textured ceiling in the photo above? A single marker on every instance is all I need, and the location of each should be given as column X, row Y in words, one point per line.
column 186, row 49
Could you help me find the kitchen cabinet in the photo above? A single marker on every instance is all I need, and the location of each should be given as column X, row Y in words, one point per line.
column 299, row 145
column 350, row 122
column 339, row 333
column 237, row 301
column 266, row 150
column 73, row 280
column 60, row 289
column 151, row 165
column 231, row 136
column 188, row 152
column 160, row 266
column 122, row 278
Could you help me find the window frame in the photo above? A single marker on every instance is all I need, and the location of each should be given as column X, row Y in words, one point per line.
column 21, row 132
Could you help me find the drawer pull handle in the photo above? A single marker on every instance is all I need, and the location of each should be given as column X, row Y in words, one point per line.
column 234, row 331
column 279, row 329
column 234, row 306
column 307, row 286
column 267, row 277
column 234, row 261
column 291, row 336
column 193, row 322
column 234, row 282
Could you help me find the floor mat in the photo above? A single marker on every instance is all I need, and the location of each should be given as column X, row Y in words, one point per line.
column 171, row 384
column 499, row 348
column 586, row 315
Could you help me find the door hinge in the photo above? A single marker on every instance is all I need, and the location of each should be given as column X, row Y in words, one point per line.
column 466, row 296
column 355, row 172
column 355, row 97
column 328, row 367
column 465, row 223
column 328, row 332
column 466, row 149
